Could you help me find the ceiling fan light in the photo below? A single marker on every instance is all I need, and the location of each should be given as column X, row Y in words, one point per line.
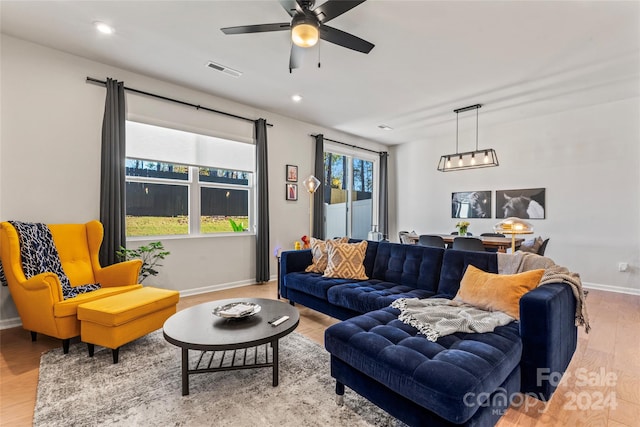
column 305, row 30
column 305, row 35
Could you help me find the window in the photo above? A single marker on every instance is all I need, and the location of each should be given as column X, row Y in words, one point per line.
column 180, row 183
column 349, row 184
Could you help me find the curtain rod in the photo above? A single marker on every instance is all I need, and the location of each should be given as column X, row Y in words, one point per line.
column 177, row 101
column 349, row 145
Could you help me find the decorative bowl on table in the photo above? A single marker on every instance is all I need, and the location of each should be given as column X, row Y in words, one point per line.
column 237, row 310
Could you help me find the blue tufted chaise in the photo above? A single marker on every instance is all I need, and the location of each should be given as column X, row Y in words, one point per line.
column 462, row 379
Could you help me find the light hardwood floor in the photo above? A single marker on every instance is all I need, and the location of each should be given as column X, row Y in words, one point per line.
column 604, row 370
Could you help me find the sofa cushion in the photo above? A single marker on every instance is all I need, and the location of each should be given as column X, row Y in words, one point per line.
column 448, row 377
column 346, row 260
column 312, row 283
column 455, row 263
column 371, row 294
column 497, row 292
column 410, row 265
column 320, row 255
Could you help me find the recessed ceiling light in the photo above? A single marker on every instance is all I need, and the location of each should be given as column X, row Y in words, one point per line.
column 296, row 98
column 385, row 127
column 103, row 28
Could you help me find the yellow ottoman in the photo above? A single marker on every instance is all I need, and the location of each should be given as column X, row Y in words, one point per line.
column 119, row 319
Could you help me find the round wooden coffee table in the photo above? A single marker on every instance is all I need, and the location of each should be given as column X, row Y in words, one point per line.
column 197, row 328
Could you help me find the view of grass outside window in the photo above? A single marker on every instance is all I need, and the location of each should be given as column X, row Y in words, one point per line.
column 221, row 204
column 158, row 198
column 182, row 183
column 154, row 204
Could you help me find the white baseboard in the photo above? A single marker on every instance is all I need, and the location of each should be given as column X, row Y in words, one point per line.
column 609, row 288
column 10, row 323
column 219, row 287
column 15, row 321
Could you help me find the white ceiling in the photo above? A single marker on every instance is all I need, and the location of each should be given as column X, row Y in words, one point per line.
column 518, row 59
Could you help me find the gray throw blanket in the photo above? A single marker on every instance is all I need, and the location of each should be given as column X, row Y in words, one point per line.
column 523, row 261
column 39, row 255
column 437, row 317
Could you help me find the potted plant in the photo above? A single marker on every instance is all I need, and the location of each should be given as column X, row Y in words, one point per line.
column 237, row 227
column 150, row 254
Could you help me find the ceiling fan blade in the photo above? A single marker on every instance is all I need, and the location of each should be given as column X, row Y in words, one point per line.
column 343, row 39
column 291, row 6
column 244, row 29
column 334, row 8
column 297, row 56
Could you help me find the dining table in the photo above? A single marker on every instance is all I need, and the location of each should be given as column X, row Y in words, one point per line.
column 499, row 243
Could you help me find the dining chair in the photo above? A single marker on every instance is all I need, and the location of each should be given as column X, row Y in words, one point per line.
column 432, row 241
column 543, row 247
column 402, row 236
column 455, row 233
column 468, row 244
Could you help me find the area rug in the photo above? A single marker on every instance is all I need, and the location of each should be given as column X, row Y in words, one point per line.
column 144, row 389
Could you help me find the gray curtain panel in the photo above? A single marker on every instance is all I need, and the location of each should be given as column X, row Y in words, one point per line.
column 383, row 211
column 318, row 197
column 262, row 231
column 112, row 174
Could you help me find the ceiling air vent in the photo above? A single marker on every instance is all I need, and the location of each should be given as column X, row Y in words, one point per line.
column 224, row 69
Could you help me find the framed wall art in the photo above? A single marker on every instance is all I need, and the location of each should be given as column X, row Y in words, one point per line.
column 292, row 173
column 292, row 192
column 528, row 203
column 471, row 204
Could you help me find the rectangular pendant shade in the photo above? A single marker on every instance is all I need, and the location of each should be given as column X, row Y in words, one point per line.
column 485, row 158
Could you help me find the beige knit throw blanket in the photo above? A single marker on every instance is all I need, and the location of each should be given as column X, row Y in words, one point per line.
column 437, row 317
column 553, row 273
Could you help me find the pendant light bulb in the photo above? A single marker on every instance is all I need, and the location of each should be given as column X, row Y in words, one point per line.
column 473, row 158
column 486, row 157
column 460, row 163
column 448, row 162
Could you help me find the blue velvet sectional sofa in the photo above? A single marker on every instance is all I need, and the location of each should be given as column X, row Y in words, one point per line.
column 461, row 379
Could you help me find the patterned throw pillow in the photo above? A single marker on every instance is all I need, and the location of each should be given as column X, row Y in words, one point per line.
column 346, row 260
column 319, row 253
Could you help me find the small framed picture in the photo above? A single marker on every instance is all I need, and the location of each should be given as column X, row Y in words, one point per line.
column 292, row 173
column 292, row 191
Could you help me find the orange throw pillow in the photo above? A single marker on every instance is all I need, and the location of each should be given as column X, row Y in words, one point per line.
column 497, row 292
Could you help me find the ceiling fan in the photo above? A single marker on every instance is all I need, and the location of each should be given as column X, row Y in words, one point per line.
column 308, row 25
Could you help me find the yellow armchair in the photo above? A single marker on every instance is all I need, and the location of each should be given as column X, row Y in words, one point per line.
column 39, row 299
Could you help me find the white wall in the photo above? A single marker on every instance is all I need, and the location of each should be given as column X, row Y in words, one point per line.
column 588, row 160
column 50, row 165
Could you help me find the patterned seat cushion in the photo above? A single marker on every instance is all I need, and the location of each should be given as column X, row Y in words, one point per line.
column 371, row 294
column 447, row 377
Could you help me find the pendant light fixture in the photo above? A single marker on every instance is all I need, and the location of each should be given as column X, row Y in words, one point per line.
column 484, row 158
